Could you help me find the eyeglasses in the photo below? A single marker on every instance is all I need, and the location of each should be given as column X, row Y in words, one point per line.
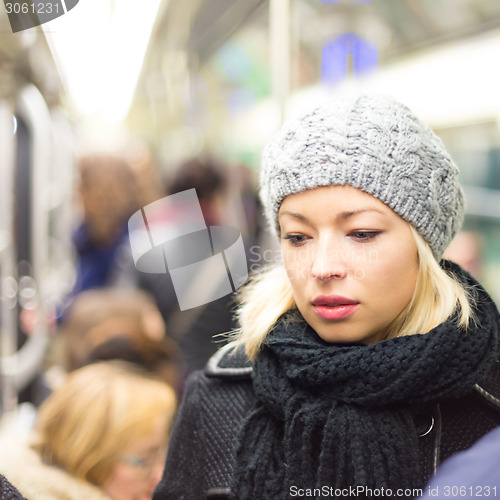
column 145, row 463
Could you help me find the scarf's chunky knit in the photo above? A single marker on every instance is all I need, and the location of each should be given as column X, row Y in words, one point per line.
column 338, row 415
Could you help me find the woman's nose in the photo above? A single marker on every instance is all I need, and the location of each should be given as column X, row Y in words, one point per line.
column 329, row 262
column 157, row 472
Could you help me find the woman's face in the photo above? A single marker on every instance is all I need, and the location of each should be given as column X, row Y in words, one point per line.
column 351, row 260
column 140, row 469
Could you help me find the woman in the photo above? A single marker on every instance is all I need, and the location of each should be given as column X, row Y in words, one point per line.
column 368, row 361
column 101, row 435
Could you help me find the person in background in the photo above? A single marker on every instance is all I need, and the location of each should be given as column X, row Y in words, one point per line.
column 111, row 323
column 101, row 435
column 194, row 329
column 466, row 250
column 108, row 198
column 363, row 356
column 209, row 178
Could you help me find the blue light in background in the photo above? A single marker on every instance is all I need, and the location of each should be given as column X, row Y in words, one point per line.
column 335, row 54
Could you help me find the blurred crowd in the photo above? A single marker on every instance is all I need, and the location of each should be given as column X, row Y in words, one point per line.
column 101, row 407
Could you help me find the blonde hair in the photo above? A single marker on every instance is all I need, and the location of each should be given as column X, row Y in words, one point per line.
column 100, row 410
column 434, row 300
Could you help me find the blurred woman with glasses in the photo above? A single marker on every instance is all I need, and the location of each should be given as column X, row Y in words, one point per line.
column 101, row 435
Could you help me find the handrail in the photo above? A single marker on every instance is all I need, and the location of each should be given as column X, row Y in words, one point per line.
column 20, row 367
column 8, row 338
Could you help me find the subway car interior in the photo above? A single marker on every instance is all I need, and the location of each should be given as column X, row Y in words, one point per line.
column 163, row 83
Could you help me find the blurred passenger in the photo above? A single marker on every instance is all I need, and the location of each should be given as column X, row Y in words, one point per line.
column 148, row 185
column 208, row 177
column 124, row 324
column 108, row 198
column 101, row 435
column 466, row 250
column 245, row 199
column 194, row 329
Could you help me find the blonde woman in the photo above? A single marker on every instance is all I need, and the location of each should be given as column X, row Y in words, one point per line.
column 102, row 435
column 363, row 360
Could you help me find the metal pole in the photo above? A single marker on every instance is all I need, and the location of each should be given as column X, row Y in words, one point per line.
column 8, row 284
column 34, row 111
column 279, row 27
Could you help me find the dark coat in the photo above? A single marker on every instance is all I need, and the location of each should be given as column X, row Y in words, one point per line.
column 201, row 453
column 7, row 491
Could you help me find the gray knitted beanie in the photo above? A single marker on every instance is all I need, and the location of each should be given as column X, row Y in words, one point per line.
column 373, row 143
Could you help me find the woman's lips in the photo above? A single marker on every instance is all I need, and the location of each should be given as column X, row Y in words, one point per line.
column 334, row 306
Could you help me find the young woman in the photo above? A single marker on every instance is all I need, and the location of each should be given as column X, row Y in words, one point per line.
column 363, row 360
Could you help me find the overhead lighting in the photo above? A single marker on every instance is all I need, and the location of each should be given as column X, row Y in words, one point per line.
column 99, row 47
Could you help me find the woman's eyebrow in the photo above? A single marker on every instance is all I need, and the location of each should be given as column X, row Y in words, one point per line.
column 295, row 215
column 340, row 216
column 352, row 213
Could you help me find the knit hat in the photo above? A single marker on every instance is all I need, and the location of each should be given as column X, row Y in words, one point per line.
column 373, row 143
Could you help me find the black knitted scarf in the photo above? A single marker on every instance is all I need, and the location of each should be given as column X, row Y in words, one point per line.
column 337, row 415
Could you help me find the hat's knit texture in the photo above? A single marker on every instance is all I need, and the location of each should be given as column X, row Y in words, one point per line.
column 373, row 143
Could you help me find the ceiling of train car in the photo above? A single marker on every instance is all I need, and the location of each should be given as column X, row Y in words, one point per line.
column 405, row 24
column 186, row 38
column 398, row 25
column 193, row 41
column 216, row 21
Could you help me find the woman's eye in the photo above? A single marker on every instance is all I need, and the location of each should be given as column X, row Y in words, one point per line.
column 296, row 239
column 364, row 235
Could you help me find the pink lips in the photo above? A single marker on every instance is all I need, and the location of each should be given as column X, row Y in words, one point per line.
column 334, row 306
